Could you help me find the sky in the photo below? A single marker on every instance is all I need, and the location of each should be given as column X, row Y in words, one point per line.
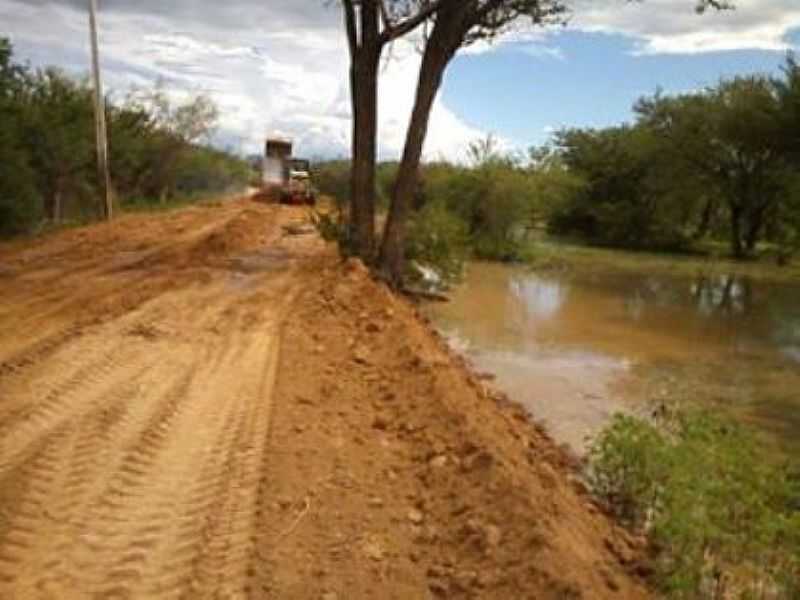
column 279, row 67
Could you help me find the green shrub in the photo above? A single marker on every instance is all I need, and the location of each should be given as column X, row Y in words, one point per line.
column 627, row 196
column 718, row 514
column 385, row 176
column 438, row 240
column 496, row 199
column 20, row 203
column 332, row 178
column 48, row 172
column 331, row 228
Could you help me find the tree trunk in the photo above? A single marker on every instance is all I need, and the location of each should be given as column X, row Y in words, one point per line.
column 364, row 92
column 438, row 51
column 754, row 226
column 705, row 219
column 57, row 207
column 736, row 232
column 364, row 63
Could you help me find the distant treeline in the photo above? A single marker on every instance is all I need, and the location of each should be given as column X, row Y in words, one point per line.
column 722, row 162
column 718, row 165
column 48, row 167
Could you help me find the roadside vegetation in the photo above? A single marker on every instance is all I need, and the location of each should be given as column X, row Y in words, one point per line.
column 722, row 522
column 712, row 173
column 158, row 150
column 701, row 181
column 718, row 164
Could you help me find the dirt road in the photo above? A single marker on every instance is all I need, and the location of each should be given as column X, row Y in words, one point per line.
column 135, row 400
column 196, row 405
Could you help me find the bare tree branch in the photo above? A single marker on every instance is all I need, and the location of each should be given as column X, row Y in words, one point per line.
column 387, row 19
column 410, row 23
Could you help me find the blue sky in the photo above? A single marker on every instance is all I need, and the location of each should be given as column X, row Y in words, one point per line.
column 280, row 67
column 581, row 80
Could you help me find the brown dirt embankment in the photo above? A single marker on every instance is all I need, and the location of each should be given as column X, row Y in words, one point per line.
column 196, row 405
column 397, row 474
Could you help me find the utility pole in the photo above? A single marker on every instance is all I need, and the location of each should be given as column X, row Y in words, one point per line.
column 100, row 116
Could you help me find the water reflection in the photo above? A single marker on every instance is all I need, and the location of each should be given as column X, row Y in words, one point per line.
column 793, row 352
column 542, row 298
column 723, row 295
column 556, row 339
column 644, row 299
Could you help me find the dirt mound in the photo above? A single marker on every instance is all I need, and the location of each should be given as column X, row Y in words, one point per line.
column 58, row 283
column 403, row 476
column 243, row 233
column 145, row 453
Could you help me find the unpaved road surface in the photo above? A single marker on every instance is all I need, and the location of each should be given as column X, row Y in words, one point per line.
column 196, row 405
column 136, row 369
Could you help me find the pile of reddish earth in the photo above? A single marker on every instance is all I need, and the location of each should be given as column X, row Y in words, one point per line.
column 197, row 405
column 398, row 474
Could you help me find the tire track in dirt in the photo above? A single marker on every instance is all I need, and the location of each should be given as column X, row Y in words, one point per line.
column 224, row 564
column 68, row 397
column 53, row 284
column 132, row 451
column 67, row 462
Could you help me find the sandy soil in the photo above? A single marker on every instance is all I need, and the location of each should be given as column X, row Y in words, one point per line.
column 196, row 405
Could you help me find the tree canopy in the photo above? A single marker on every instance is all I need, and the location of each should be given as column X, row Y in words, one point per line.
column 47, row 147
column 448, row 25
column 722, row 160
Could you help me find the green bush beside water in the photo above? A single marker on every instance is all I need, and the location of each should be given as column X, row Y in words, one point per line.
column 484, row 208
column 721, row 519
column 714, row 168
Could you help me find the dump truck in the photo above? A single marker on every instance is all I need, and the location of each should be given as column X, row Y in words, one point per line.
column 284, row 177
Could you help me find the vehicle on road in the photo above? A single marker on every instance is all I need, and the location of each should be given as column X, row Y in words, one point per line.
column 286, row 179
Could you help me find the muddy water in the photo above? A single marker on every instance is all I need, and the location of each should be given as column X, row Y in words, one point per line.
column 577, row 346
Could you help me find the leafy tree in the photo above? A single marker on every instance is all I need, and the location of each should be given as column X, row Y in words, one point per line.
column 60, row 141
column 784, row 226
column 192, row 121
column 133, row 160
column 497, row 197
column 438, row 240
column 786, row 217
column 176, row 128
column 732, row 137
column 370, row 25
column 449, row 25
column 554, row 185
column 631, row 195
column 333, row 178
column 455, row 23
column 20, row 202
column 47, row 146
column 501, row 202
column 500, row 195
column 12, row 75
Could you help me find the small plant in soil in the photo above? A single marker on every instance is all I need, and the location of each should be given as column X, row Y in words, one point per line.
column 722, row 520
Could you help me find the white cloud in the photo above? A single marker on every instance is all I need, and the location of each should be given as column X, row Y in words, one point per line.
column 543, row 51
column 280, row 66
column 672, row 26
column 667, row 27
column 448, row 135
column 272, row 67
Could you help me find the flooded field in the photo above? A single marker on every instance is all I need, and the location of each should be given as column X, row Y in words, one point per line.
column 575, row 346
